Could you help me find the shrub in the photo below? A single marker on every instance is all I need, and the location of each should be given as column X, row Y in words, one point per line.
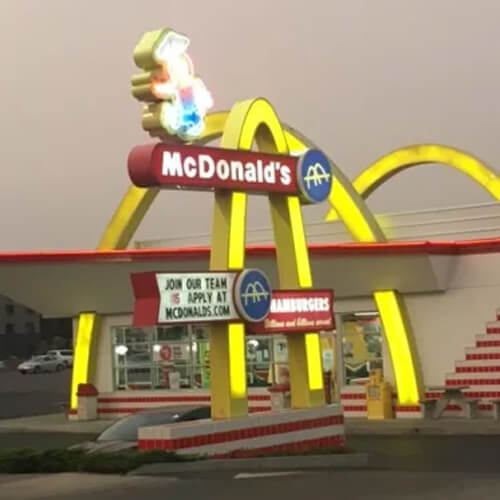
column 19, row 461
column 51, row 461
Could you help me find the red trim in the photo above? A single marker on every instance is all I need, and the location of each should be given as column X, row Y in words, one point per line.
column 86, row 390
column 464, row 247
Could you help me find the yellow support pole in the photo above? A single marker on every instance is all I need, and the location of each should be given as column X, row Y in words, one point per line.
column 227, row 342
column 83, row 366
column 304, row 351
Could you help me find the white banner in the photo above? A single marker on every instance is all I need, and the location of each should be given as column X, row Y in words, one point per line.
column 190, row 297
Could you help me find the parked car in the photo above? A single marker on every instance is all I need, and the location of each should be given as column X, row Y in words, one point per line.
column 66, row 356
column 38, row 364
column 124, row 433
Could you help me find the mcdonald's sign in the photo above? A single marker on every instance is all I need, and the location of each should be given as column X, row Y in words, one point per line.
column 181, row 166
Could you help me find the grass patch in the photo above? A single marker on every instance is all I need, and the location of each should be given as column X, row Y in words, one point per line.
column 28, row 461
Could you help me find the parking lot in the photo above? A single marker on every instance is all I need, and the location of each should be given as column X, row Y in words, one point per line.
column 26, row 395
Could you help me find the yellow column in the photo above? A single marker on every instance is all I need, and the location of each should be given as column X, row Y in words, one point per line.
column 227, row 342
column 402, row 347
column 88, row 328
column 304, row 351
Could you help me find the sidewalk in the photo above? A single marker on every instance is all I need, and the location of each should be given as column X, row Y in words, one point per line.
column 354, row 426
column 56, row 422
column 429, row 427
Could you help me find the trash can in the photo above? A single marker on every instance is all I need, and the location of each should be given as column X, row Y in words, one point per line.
column 378, row 397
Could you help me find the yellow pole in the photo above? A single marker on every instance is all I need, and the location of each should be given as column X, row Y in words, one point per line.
column 304, row 351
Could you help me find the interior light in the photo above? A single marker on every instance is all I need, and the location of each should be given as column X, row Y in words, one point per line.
column 121, row 350
column 365, row 314
column 157, row 348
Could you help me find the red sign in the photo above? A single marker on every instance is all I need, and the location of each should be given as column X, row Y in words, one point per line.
column 175, row 166
column 166, row 352
column 298, row 311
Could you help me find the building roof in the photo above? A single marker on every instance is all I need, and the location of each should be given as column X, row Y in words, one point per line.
column 64, row 283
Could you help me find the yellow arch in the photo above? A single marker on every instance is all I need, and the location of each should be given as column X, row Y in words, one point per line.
column 353, row 211
column 391, row 164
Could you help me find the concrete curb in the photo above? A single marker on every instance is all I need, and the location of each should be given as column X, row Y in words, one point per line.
column 300, row 462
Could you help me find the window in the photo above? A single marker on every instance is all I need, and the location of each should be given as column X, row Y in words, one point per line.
column 10, row 328
column 361, row 345
column 9, row 309
column 178, row 357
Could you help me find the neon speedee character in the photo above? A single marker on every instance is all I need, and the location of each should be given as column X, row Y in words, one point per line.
column 178, row 100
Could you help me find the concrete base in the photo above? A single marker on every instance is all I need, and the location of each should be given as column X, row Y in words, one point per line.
column 258, row 434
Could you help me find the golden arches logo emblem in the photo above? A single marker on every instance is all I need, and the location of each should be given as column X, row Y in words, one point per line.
column 254, row 291
column 316, row 174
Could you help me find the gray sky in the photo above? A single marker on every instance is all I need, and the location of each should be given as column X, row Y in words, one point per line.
column 360, row 77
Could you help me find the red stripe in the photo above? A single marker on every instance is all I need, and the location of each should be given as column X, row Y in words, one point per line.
column 476, row 369
column 300, row 446
column 171, row 399
column 489, row 355
column 493, row 329
column 251, row 409
column 488, row 343
column 406, row 409
column 474, row 381
column 360, row 395
column 249, row 433
column 418, row 247
column 354, row 407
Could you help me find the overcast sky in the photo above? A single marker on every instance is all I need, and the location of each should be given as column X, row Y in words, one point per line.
column 360, row 77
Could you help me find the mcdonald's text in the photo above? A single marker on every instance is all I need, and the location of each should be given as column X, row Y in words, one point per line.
column 179, row 166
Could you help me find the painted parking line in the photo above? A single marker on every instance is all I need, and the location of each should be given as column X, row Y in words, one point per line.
column 258, row 475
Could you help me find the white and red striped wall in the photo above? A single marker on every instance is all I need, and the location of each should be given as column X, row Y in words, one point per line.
column 120, row 403
column 480, row 370
column 258, row 434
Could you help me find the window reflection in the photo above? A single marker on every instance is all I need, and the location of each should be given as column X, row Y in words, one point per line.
column 178, row 357
column 361, row 345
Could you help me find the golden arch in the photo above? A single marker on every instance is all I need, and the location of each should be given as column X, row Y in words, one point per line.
column 401, row 159
column 249, row 120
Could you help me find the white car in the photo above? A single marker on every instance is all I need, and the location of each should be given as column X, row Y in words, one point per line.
column 64, row 355
column 38, row 364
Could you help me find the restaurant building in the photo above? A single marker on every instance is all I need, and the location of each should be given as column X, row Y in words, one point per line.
column 452, row 291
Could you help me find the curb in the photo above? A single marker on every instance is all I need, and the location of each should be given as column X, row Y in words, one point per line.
column 304, row 462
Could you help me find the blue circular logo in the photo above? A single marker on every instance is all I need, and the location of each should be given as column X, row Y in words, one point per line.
column 314, row 176
column 252, row 295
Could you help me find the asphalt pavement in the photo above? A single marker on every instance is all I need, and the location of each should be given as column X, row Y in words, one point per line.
column 352, row 485
column 26, row 395
column 400, row 466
